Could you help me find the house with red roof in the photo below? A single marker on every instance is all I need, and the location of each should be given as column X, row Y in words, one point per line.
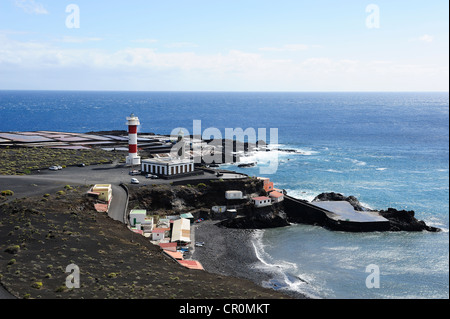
column 276, row 196
column 261, row 201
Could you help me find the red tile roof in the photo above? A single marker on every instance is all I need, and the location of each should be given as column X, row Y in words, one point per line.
column 174, row 254
column 168, row 245
column 275, row 194
column 159, row 230
column 191, row 264
column 260, row 198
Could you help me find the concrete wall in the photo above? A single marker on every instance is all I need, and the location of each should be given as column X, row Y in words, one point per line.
column 302, row 212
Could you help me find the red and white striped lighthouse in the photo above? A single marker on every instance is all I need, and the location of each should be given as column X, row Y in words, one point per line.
column 133, row 123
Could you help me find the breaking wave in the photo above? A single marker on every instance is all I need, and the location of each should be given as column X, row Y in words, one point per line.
column 285, row 275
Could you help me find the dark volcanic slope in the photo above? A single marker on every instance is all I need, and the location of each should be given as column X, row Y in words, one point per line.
column 40, row 237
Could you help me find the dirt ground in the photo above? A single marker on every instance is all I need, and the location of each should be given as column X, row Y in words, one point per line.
column 41, row 236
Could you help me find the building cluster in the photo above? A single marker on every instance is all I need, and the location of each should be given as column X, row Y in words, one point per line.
column 274, row 195
column 235, row 198
column 172, row 234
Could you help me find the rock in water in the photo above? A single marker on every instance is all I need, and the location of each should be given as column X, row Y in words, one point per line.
column 405, row 220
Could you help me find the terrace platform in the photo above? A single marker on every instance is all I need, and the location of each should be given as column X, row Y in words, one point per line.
column 343, row 211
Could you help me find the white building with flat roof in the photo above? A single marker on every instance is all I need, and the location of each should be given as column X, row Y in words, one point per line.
column 137, row 217
column 167, row 166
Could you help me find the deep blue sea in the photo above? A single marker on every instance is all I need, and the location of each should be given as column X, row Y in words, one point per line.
column 387, row 149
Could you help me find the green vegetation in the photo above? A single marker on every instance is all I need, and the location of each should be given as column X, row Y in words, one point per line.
column 25, row 160
column 37, row 285
column 13, row 249
column 7, row 193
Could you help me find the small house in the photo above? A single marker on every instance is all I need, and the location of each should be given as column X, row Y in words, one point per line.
column 219, row 209
column 276, row 197
column 268, row 185
column 233, row 195
column 261, row 201
column 137, row 216
column 104, row 191
column 158, row 233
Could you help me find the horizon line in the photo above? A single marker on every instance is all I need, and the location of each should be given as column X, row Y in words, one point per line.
column 210, row 91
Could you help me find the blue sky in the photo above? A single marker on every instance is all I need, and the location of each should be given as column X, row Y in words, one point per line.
column 214, row 45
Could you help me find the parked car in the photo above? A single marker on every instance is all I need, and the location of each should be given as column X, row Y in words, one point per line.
column 53, row 168
column 151, row 176
column 81, row 165
column 134, row 172
column 199, row 244
column 134, row 181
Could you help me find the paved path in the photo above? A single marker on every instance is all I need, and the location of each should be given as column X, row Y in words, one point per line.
column 118, row 204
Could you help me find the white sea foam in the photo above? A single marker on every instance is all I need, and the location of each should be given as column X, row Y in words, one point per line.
column 356, row 162
column 436, row 222
column 285, row 273
column 343, row 248
column 308, row 195
column 333, row 170
column 292, row 150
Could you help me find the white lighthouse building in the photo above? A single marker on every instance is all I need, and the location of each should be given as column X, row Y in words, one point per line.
column 133, row 123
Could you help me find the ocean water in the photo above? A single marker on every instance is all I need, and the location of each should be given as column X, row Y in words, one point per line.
column 387, row 149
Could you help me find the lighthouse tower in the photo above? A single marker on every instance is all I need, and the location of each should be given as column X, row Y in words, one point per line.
column 133, row 123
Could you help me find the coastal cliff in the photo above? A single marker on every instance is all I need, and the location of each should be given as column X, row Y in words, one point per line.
column 199, row 199
column 259, row 218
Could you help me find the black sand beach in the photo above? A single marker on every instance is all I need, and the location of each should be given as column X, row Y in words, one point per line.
column 230, row 252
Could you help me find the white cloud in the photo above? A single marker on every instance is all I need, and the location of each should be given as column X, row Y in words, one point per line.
column 423, row 38
column 70, row 39
column 288, row 48
column 30, row 6
column 426, row 38
column 145, row 41
column 235, row 70
column 181, row 45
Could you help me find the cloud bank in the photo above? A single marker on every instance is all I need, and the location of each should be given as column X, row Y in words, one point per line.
column 35, row 65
